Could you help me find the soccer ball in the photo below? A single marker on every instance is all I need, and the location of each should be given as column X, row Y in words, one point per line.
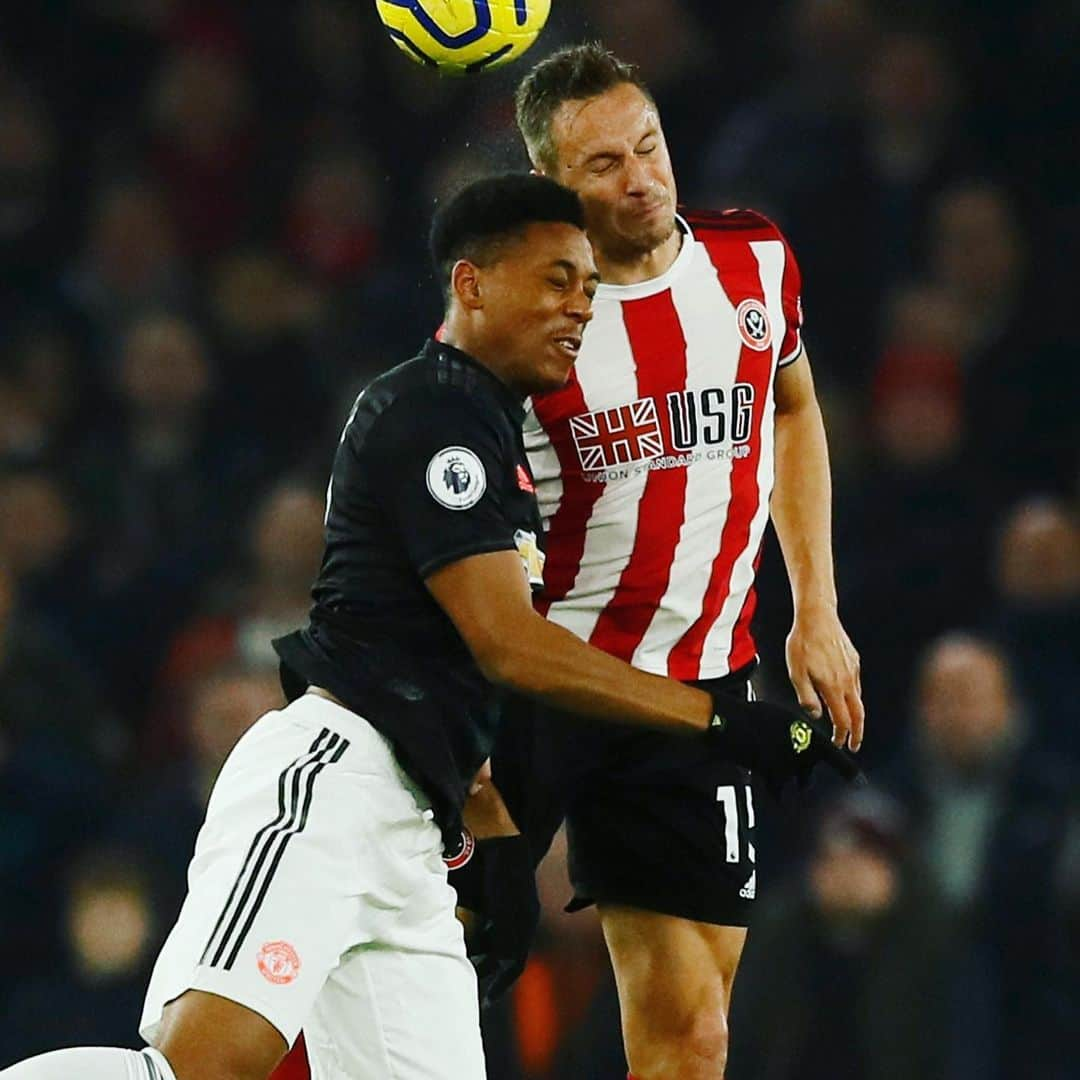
column 460, row 37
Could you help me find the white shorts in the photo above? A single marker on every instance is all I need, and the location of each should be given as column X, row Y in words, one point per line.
column 317, row 897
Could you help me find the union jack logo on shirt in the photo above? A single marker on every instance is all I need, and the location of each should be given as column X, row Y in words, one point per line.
column 618, row 436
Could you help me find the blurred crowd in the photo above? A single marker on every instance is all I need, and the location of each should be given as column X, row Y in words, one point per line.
column 212, row 220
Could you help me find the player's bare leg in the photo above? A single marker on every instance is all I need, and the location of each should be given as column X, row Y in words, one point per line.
column 202, row 1037
column 674, row 978
column 206, row 1037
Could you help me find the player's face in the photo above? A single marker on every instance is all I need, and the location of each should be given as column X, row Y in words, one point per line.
column 611, row 151
column 537, row 302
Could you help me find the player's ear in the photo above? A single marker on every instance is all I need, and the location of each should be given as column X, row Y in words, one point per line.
column 465, row 284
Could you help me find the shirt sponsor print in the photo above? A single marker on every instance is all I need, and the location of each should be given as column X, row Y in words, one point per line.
column 617, row 436
column 701, row 425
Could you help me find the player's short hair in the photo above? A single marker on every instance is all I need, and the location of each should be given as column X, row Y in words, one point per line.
column 574, row 73
column 477, row 222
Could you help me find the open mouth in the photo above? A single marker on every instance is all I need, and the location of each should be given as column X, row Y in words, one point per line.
column 569, row 345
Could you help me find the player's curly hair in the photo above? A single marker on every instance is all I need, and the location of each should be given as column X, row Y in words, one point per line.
column 574, row 73
column 476, row 223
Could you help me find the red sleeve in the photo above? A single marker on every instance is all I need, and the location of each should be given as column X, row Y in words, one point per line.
column 754, row 226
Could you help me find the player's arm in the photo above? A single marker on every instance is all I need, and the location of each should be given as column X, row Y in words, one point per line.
column 485, row 814
column 465, row 551
column 822, row 662
column 463, row 545
column 488, row 600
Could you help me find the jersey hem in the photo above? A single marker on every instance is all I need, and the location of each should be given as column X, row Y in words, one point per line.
column 719, row 908
column 704, row 675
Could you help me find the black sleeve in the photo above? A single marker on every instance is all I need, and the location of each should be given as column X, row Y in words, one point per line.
column 442, row 470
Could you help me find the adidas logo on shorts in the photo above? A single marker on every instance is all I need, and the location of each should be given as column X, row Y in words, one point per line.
column 749, row 890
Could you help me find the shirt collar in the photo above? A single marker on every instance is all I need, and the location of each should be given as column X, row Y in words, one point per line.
column 640, row 289
column 486, row 377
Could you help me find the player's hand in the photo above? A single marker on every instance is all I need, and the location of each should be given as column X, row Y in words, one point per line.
column 496, row 882
column 824, row 670
column 777, row 743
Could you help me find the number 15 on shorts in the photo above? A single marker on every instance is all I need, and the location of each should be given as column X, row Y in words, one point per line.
column 727, row 797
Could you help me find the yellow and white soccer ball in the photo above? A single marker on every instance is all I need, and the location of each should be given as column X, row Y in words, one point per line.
column 460, row 37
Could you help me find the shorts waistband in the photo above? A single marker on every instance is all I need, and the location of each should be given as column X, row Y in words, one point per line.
column 734, row 682
column 360, row 732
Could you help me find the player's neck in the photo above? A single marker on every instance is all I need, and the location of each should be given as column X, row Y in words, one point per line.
column 625, row 268
column 461, row 336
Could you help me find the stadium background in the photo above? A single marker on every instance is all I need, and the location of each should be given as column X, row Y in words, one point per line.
column 211, row 236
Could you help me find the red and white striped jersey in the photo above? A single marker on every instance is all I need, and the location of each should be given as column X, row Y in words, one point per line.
column 654, row 464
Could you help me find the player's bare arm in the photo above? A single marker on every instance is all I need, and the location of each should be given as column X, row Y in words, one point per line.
column 488, row 600
column 485, row 814
column 822, row 662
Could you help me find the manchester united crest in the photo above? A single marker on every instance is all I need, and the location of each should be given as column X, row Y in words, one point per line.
column 278, row 962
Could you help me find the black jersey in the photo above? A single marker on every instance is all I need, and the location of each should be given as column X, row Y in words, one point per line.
column 430, row 469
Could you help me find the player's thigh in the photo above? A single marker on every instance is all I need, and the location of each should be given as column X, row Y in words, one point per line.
column 291, row 864
column 399, row 1014
column 669, row 971
column 402, row 1004
column 252, row 1049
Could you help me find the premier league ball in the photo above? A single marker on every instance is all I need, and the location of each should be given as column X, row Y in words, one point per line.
column 460, row 37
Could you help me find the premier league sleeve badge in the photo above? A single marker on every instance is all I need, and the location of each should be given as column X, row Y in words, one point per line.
column 456, row 478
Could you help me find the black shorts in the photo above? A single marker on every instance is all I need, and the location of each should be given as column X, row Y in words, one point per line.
column 654, row 821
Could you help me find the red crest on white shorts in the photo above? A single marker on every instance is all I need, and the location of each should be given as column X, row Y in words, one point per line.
column 278, row 962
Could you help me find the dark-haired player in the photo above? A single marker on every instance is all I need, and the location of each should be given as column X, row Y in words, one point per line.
column 318, row 894
column 690, row 404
